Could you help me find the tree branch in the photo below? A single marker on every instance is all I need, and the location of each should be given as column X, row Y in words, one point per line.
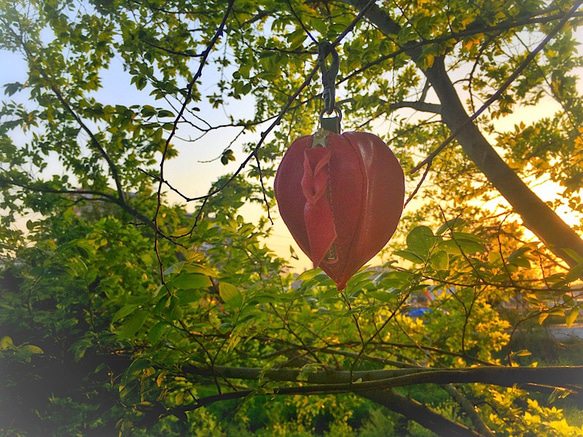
column 101, row 197
column 185, row 103
column 418, row 106
column 469, row 409
column 339, row 380
column 94, row 141
column 536, row 215
column 419, row 413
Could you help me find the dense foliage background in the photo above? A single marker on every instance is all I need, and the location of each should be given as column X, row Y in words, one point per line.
column 133, row 303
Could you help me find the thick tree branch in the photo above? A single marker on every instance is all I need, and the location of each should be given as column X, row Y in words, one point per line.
column 535, row 214
column 419, row 413
column 408, row 407
column 337, row 380
column 377, row 386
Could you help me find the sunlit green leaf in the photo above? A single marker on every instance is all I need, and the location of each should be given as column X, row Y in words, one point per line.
column 420, row 240
column 571, row 316
column 439, row 260
column 187, row 280
column 230, row 294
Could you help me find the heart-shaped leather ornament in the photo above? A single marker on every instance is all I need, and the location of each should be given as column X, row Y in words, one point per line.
column 341, row 197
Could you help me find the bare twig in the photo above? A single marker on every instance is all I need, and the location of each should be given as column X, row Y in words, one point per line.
column 187, row 99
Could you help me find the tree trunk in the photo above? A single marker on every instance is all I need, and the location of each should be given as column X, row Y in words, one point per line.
column 535, row 214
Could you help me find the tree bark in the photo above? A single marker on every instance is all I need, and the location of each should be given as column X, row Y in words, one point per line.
column 419, row 413
column 535, row 214
column 327, row 380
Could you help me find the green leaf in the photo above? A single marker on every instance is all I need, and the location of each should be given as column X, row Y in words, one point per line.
column 450, row 225
column 12, row 88
column 309, row 274
column 320, row 25
column 148, row 111
column 395, row 279
column 518, row 253
column 162, row 113
column 186, row 280
column 574, row 273
column 230, row 294
column 162, row 304
column 6, row 343
column 174, row 310
column 571, row 316
column 136, row 368
column 469, row 246
column 440, row 260
column 188, row 296
column 467, row 237
column 450, row 247
column 384, row 296
column 157, row 331
column 576, row 256
column 227, row 156
column 123, row 312
column 296, row 38
column 80, row 347
column 518, row 257
column 175, row 268
column 420, row 241
column 133, row 324
column 202, row 270
column 32, row 349
column 410, row 256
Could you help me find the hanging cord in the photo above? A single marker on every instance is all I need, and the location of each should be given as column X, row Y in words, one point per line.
column 325, row 49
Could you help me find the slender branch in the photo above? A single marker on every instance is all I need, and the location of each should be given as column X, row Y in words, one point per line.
column 263, row 189
column 57, row 92
column 297, row 17
column 101, row 197
column 419, row 185
column 418, row 106
column 172, row 52
column 282, row 113
column 95, row 142
column 394, row 28
column 469, row 409
column 188, row 97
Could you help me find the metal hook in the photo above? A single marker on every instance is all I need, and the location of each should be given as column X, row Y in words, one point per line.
column 331, row 124
column 325, row 48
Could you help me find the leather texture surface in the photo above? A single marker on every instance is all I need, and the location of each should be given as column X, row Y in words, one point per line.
column 341, row 202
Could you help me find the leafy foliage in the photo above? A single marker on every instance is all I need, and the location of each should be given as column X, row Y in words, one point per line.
column 122, row 311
